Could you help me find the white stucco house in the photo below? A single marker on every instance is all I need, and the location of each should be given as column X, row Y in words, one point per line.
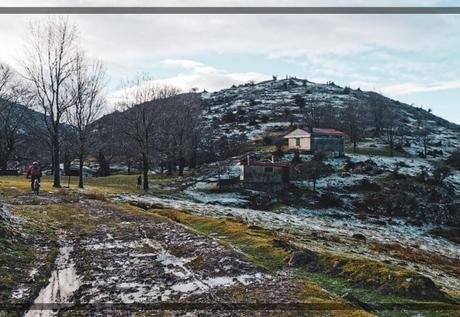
column 330, row 141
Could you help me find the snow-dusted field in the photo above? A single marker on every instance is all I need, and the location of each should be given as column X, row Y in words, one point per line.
column 303, row 222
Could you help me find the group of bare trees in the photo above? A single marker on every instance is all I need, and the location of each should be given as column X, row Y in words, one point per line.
column 160, row 124
column 14, row 101
column 142, row 102
column 58, row 80
column 373, row 116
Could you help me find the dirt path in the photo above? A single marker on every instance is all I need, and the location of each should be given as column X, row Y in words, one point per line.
column 114, row 256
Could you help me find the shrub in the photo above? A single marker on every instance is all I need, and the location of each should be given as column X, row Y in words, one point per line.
column 296, row 159
column 279, row 152
column 229, row 117
column 299, row 101
column 366, row 186
column 267, row 140
column 454, row 159
column 264, row 118
column 329, row 200
column 440, row 172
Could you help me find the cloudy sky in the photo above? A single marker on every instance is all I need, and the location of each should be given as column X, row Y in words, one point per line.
column 412, row 58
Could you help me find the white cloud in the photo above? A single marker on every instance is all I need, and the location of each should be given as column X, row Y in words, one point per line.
column 126, row 41
column 206, row 77
column 182, row 63
column 407, row 88
column 199, row 76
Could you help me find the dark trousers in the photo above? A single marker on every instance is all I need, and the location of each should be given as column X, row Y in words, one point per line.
column 33, row 178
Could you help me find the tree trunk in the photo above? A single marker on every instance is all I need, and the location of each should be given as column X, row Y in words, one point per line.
column 129, row 167
column 4, row 165
column 67, row 163
column 52, row 161
column 145, row 170
column 170, row 168
column 80, row 176
column 193, row 158
column 56, row 168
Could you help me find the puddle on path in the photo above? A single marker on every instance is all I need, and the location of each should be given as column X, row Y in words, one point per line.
column 63, row 282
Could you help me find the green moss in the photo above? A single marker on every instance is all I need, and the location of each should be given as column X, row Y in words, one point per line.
column 340, row 285
column 366, row 273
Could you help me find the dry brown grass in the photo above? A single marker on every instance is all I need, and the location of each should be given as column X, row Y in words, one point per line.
column 449, row 265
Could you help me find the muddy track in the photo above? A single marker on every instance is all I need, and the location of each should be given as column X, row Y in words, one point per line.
column 137, row 260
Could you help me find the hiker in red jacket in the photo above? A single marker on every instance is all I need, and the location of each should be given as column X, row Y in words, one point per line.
column 35, row 172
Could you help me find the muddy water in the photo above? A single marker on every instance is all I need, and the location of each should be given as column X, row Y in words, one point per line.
column 63, row 282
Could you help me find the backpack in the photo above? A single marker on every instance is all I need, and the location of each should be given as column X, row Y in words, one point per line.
column 35, row 171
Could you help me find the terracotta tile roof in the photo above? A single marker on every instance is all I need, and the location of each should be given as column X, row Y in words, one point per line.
column 300, row 133
column 267, row 164
column 328, row 132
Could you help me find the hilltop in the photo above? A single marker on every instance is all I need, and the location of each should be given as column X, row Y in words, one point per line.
column 251, row 110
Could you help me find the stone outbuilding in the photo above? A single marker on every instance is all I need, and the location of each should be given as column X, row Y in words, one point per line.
column 262, row 174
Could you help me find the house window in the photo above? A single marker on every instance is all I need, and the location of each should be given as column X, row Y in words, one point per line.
column 268, row 170
column 297, row 141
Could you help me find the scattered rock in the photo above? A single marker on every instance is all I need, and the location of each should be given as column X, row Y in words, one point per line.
column 302, row 258
column 385, row 290
column 277, row 243
column 379, row 222
column 362, row 216
column 359, row 236
column 336, row 265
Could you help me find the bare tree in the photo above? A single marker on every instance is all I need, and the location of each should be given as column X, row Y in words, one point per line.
column 313, row 169
column 378, row 112
column 328, row 116
column 14, row 102
column 178, row 131
column 313, row 113
column 139, row 99
column 424, row 135
column 49, row 66
column 87, row 85
column 351, row 122
column 390, row 130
